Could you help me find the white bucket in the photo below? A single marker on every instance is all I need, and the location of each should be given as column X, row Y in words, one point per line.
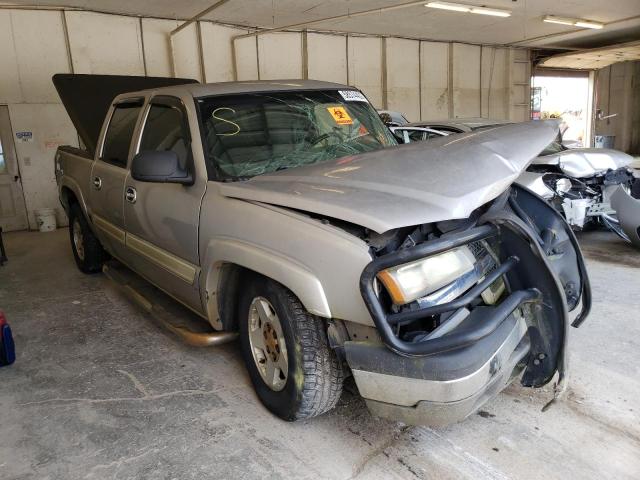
column 46, row 219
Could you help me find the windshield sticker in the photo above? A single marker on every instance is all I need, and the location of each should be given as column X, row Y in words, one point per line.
column 213, row 114
column 352, row 96
column 340, row 115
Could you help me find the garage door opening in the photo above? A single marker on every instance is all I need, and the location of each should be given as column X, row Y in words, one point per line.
column 564, row 95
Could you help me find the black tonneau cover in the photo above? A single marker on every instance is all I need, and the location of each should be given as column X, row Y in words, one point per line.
column 87, row 98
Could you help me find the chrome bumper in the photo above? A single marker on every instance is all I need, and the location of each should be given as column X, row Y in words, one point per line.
column 441, row 389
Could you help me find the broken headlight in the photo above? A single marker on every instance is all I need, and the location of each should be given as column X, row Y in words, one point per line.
column 410, row 281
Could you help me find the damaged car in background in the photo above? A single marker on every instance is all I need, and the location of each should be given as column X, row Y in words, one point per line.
column 591, row 187
column 286, row 213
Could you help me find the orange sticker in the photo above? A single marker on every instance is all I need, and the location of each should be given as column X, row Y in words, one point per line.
column 340, row 115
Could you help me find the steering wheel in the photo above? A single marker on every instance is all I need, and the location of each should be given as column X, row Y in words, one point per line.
column 325, row 136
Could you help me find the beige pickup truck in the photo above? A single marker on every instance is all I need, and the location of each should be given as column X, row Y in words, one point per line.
column 286, row 212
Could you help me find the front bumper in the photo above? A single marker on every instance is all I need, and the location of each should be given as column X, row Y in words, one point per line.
column 422, row 378
column 442, row 389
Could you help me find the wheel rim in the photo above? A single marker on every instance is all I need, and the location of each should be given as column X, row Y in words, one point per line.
column 267, row 343
column 78, row 239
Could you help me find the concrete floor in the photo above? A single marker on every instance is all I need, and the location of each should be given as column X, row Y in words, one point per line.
column 98, row 391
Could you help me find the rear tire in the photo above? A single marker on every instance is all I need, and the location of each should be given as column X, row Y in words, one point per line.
column 278, row 334
column 87, row 250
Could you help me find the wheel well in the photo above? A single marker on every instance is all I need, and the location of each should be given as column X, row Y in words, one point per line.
column 68, row 198
column 232, row 278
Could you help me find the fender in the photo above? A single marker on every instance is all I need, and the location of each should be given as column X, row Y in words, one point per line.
column 628, row 211
column 71, row 184
column 293, row 275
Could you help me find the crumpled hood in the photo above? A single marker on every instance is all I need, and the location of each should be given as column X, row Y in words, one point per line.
column 586, row 162
column 423, row 182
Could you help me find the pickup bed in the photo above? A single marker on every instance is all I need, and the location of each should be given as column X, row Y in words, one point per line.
column 286, row 212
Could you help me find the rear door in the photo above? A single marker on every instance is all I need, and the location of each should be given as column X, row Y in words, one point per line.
column 162, row 219
column 13, row 215
column 109, row 173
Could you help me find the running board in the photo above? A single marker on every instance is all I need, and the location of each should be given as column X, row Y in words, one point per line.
column 162, row 316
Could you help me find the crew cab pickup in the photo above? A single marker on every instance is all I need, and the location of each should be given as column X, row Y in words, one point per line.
column 285, row 211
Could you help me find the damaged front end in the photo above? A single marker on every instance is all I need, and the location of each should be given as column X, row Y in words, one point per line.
column 466, row 306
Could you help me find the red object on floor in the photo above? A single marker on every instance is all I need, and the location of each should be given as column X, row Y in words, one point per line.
column 7, row 347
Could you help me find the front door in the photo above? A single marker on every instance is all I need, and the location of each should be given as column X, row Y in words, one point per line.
column 162, row 219
column 108, row 176
column 13, row 214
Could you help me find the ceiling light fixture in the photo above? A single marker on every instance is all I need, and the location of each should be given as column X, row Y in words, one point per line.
column 588, row 24
column 491, row 11
column 576, row 22
column 460, row 7
column 454, row 7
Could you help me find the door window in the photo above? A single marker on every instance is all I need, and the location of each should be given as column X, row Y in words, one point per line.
column 118, row 138
column 166, row 130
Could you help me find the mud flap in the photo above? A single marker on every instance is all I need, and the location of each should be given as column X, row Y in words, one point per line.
column 628, row 211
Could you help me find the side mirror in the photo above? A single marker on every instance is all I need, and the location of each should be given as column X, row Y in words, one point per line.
column 160, row 167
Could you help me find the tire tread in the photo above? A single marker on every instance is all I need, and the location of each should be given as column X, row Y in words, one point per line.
column 323, row 374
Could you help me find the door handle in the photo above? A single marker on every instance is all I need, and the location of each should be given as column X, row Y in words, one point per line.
column 130, row 194
column 97, row 183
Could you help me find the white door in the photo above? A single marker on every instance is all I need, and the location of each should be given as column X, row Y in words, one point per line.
column 13, row 214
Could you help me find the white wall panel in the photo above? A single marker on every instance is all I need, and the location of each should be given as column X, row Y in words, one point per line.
column 495, row 82
column 10, row 90
column 280, row 55
column 434, row 82
column 105, row 44
column 217, row 51
column 186, row 53
column 157, row 46
column 51, row 127
column 466, row 80
column 246, row 58
column 327, row 57
column 403, row 77
column 519, row 85
column 38, row 37
column 365, row 67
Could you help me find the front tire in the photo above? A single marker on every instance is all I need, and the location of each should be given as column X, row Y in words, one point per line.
column 294, row 372
column 87, row 250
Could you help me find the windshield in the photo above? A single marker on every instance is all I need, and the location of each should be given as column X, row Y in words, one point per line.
column 252, row 134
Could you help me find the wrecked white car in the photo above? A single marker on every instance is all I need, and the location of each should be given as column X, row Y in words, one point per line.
column 590, row 186
column 285, row 211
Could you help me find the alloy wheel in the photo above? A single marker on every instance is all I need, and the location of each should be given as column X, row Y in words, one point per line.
column 267, row 342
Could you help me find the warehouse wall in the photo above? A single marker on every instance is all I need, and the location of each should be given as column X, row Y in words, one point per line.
column 618, row 92
column 425, row 80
